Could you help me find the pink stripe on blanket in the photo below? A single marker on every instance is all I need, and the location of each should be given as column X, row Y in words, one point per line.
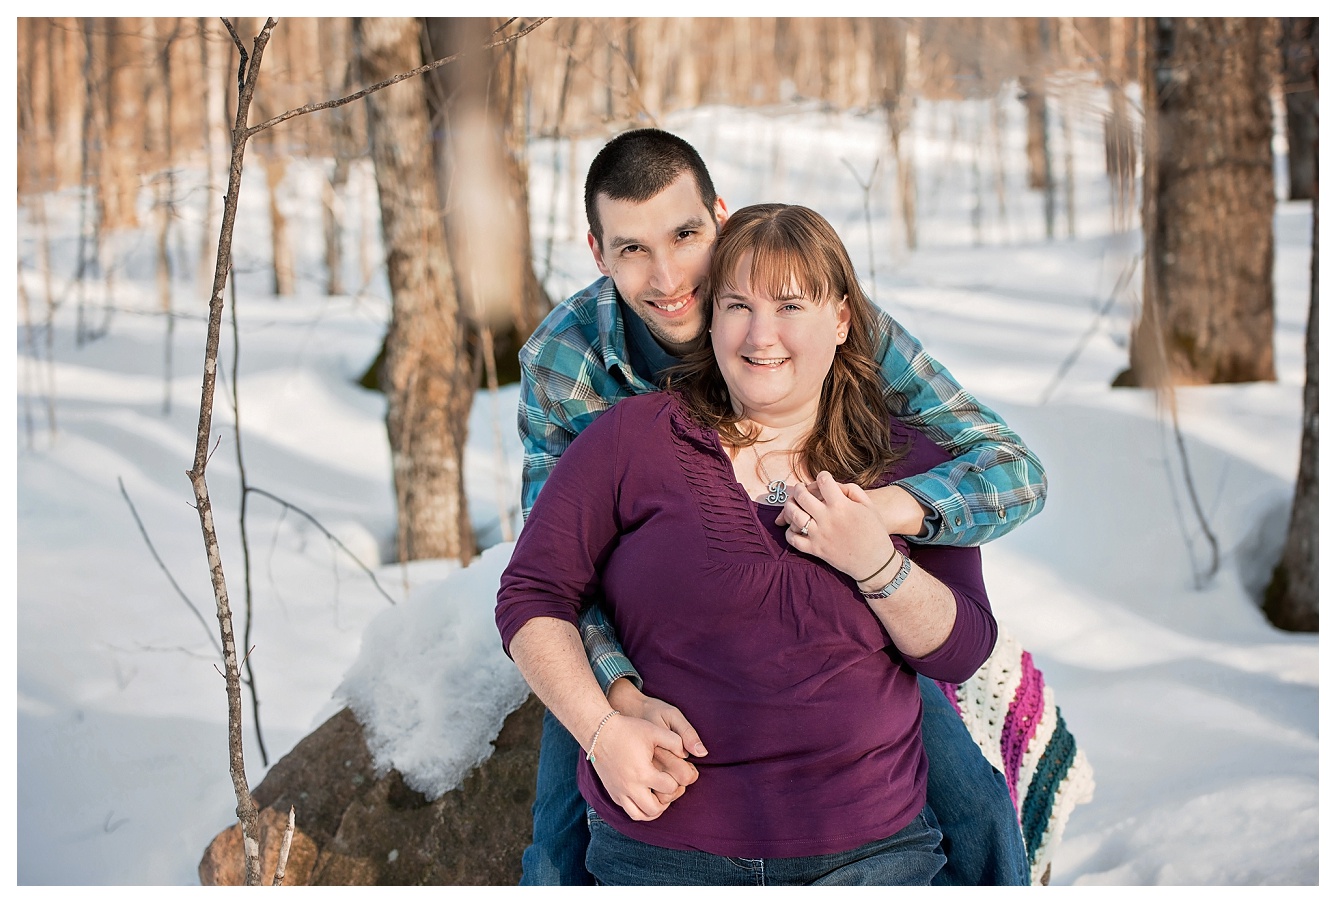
column 1022, row 720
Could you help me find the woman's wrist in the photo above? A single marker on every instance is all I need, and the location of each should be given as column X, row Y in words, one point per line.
column 882, row 574
column 888, row 587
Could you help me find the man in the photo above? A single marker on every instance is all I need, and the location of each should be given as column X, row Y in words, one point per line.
column 653, row 217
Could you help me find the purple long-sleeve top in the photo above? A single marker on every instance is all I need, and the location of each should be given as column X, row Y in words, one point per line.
column 810, row 713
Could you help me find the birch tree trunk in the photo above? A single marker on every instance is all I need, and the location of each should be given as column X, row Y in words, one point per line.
column 426, row 376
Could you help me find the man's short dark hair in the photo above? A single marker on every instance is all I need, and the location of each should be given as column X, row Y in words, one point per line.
column 636, row 166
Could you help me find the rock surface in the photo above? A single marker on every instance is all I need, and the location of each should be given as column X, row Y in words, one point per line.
column 354, row 828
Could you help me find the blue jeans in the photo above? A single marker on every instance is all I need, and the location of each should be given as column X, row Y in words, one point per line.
column 912, row 856
column 560, row 830
column 980, row 834
column 981, row 837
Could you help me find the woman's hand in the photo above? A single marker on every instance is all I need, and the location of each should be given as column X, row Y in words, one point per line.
column 843, row 526
column 627, row 698
column 845, row 532
column 630, row 758
column 641, row 763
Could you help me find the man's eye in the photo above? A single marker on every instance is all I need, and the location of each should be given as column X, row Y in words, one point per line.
column 686, row 233
column 631, row 249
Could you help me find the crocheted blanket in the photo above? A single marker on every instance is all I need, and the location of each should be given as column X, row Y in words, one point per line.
column 1011, row 714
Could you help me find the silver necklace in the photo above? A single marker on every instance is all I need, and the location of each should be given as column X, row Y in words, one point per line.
column 779, row 490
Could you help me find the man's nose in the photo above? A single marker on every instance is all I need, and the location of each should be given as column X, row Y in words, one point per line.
column 666, row 275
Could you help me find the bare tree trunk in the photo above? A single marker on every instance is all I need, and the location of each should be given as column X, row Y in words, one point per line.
column 483, row 171
column 213, row 120
column 1209, row 199
column 334, row 49
column 1299, row 80
column 426, row 377
column 92, row 187
column 1067, row 55
column 1292, row 598
column 1120, row 150
column 125, row 124
column 67, row 98
column 1034, row 94
column 164, row 201
column 280, row 242
column 894, row 50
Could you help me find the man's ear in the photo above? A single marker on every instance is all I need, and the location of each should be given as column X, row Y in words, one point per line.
column 598, row 255
column 720, row 211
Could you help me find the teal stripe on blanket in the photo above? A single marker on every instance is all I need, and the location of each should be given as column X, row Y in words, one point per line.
column 1043, row 789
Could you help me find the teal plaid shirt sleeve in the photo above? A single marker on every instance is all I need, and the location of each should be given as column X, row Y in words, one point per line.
column 565, row 384
column 993, row 483
column 606, row 655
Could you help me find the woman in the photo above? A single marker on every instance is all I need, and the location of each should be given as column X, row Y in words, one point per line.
column 725, row 523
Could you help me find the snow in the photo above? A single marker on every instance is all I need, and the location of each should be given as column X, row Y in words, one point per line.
column 1200, row 720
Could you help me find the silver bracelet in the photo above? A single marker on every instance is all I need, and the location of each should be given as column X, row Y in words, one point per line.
column 589, row 756
column 886, row 591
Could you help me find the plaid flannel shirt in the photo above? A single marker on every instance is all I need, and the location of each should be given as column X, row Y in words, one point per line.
column 576, row 365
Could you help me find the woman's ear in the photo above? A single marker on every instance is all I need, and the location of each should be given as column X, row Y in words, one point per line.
column 844, row 316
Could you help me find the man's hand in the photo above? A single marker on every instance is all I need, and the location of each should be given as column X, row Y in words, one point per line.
column 630, row 758
column 901, row 513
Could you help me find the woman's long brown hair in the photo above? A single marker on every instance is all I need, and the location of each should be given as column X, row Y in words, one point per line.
column 795, row 247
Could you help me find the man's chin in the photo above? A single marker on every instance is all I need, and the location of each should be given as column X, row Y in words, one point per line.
column 675, row 335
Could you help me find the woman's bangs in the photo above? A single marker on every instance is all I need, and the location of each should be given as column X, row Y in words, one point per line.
column 777, row 268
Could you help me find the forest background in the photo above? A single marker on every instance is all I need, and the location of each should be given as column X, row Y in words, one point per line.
column 110, row 117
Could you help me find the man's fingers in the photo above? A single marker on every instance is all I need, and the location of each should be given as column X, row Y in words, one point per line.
column 668, row 798
column 691, row 742
column 681, row 771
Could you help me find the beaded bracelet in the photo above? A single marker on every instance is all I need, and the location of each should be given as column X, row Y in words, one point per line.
column 589, row 756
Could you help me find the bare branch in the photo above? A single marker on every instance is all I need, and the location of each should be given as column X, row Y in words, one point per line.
column 241, row 50
column 867, row 218
column 154, row 552
column 1123, row 281
column 247, row 812
column 330, row 536
column 1191, row 484
column 241, row 517
column 393, row 80
column 282, row 867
